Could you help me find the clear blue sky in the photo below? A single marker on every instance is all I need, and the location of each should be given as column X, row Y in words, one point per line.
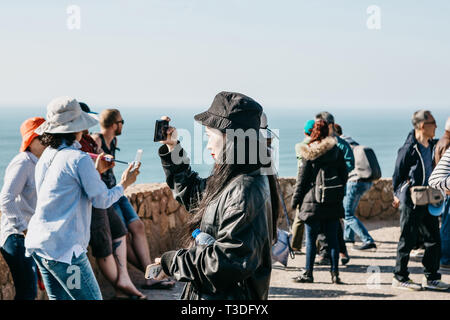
column 287, row 53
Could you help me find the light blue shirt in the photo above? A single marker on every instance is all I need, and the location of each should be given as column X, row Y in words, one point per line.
column 18, row 195
column 67, row 188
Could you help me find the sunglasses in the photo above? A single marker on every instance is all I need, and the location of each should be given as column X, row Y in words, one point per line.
column 121, row 121
column 430, row 122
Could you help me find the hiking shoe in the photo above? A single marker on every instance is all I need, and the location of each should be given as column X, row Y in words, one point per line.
column 304, row 277
column 406, row 285
column 323, row 262
column 366, row 246
column 435, row 285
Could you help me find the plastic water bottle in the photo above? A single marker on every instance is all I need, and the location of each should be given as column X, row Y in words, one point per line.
column 202, row 238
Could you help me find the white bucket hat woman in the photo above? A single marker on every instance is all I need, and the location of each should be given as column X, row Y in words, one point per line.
column 64, row 115
column 68, row 184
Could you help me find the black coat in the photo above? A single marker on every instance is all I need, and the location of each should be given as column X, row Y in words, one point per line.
column 239, row 263
column 409, row 168
column 314, row 156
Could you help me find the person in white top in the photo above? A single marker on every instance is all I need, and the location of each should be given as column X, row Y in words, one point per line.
column 440, row 179
column 17, row 205
column 68, row 184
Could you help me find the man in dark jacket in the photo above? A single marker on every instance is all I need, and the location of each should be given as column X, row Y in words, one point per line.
column 413, row 167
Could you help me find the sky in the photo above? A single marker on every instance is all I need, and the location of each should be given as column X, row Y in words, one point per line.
column 174, row 53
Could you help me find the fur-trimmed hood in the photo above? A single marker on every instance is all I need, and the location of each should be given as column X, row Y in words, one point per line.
column 317, row 149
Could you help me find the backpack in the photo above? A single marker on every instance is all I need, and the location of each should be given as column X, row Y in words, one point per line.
column 366, row 164
column 328, row 187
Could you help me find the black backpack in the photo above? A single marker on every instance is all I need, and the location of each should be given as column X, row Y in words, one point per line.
column 328, row 186
column 367, row 167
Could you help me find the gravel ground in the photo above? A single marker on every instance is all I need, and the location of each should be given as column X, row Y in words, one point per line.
column 368, row 275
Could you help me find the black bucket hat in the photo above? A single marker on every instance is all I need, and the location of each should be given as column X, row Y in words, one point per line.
column 231, row 110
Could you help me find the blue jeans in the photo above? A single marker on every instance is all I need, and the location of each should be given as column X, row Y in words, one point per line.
column 445, row 233
column 69, row 282
column 23, row 269
column 125, row 210
column 352, row 225
column 330, row 229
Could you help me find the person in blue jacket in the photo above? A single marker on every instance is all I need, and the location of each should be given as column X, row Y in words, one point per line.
column 413, row 167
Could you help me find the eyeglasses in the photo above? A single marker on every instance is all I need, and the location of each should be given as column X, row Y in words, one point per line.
column 121, row 121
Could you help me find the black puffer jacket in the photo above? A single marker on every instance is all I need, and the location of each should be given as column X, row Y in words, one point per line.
column 238, row 265
column 315, row 156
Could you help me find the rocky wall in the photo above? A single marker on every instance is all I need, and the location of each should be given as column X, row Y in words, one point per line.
column 165, row 218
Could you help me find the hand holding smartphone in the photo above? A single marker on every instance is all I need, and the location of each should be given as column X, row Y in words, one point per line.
column 137, row 159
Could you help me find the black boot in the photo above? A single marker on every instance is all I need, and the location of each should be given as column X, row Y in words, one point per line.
column 335, row 278
column 305, row 277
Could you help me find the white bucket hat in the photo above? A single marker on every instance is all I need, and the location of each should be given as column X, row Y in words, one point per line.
column 64, row 115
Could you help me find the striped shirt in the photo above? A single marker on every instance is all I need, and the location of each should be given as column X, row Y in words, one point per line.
column 440, row 178
column 18, row 195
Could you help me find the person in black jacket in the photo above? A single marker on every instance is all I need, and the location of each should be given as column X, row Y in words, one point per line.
column 320, row 156
column 414, row 165
column 237, row 205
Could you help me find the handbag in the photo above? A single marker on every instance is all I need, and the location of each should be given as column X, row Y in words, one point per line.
column 424, row 195
column 281, row 250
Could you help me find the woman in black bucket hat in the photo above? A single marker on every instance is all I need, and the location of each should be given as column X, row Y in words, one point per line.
column 237, row 205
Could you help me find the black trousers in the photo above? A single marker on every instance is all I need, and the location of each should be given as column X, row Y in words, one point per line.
column 322, row 243
column 415, row 224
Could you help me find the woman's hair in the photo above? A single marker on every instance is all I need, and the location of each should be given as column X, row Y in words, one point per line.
column 319, row 132
column 223, row 174
column 55, row 140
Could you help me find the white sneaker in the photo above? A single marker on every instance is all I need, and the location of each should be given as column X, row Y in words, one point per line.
column 435, row 285
column 406, row 285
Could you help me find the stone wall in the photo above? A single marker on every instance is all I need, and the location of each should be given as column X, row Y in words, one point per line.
column 374, row 204
column 165, row 218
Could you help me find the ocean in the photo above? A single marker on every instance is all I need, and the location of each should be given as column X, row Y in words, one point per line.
column 384, row 130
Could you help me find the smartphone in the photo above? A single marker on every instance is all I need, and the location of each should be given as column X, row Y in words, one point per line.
column 161, row 127
column 137, row 159
column 152, row 271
